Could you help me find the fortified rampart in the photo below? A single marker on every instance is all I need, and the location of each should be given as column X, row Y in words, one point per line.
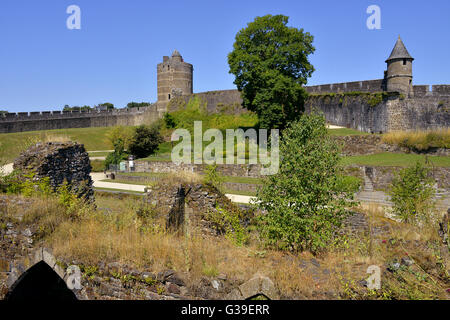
column 215, row 101
column 48, row 120
column 365, row 113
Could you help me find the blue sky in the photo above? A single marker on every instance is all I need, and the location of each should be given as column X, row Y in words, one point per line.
column 113, row 58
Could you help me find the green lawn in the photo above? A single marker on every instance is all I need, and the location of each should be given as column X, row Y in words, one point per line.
column 248, row 180
column 120, row 190
column 98, row 154
column 395, row 160
column 346, row 132
column 11, row 144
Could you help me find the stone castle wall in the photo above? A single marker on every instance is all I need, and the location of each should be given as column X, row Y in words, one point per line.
column 215, row 101
column 392, row 114
column 48, row 120
column 362, row 86
column 426, row 110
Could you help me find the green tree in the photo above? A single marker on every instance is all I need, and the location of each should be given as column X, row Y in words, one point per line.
column 138, row 104
column 145, row 141
column 108, row 105
column 303, row 203
column 412, row 194
column 270, row 63
column 118, row 155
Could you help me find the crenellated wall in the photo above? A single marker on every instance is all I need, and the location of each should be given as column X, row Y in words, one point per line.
column 377, row 85
column 436, row 90
column 48, row 120
column 390, row 114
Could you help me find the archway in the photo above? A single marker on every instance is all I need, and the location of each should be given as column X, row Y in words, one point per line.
column 40, row 283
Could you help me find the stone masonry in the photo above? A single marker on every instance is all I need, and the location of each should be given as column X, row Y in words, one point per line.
column 59, row 161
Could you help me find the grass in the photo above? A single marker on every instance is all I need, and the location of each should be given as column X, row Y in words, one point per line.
column 395, row 160
column 98, row 154
column 419, row 140
column 113, row 231
column 346, row 132
column 11, row 144
column 119, row 190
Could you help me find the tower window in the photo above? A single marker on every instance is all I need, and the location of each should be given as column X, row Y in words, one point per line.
column 168, row 67
column 404, row 62
column 169, row 96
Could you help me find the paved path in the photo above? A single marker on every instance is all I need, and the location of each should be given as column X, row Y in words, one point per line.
column 364, row 196
column 6, row 169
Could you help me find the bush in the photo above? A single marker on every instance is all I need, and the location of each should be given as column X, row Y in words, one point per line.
column 304, row 203
column 228, row 222
column 213, row 178
column 145, row 141
column 412, row 194
column 419, row 140
column 169, row 121
column 117, row 156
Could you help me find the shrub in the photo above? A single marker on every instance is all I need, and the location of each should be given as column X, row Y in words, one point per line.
column 212, row 177
column 228, row 222
column 118, row 155
column 122, row 133
column 169, row 121
column 411, row 194
column 145, row 141
column 419, row 140
column 304, row 202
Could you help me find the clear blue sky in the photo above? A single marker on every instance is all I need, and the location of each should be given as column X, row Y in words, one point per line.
column 113, row 58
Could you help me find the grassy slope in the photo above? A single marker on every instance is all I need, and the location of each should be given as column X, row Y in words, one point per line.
column 395, row 159
column 11, row 144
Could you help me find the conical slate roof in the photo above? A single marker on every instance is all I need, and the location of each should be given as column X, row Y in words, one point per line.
column 176, row 53
column 399, row 51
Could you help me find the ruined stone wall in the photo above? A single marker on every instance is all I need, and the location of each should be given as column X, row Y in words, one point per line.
column 381, row 177
column 48, row 120
column 59, row 162
column 237, row 170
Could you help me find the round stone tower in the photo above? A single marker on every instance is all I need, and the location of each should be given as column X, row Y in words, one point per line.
column 399, row 70
column 175, row 78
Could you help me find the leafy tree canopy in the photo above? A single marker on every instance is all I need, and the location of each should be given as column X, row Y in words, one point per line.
column 138, row 104
column 270, row 63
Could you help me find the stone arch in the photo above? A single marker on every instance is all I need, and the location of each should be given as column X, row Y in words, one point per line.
column 40, row 282
column 44, row 280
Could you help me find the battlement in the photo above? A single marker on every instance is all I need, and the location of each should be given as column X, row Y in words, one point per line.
column 48, row 115
column 50, row 120
column 436, row 90
column 363, row 86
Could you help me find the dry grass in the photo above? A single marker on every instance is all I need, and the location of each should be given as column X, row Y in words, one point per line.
column 419, row 140
column 115, row 233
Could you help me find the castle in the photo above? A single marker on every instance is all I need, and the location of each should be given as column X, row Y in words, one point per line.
column 376, row 106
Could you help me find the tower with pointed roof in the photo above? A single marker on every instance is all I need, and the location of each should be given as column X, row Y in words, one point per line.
column 399, row 70
column 174, row 78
